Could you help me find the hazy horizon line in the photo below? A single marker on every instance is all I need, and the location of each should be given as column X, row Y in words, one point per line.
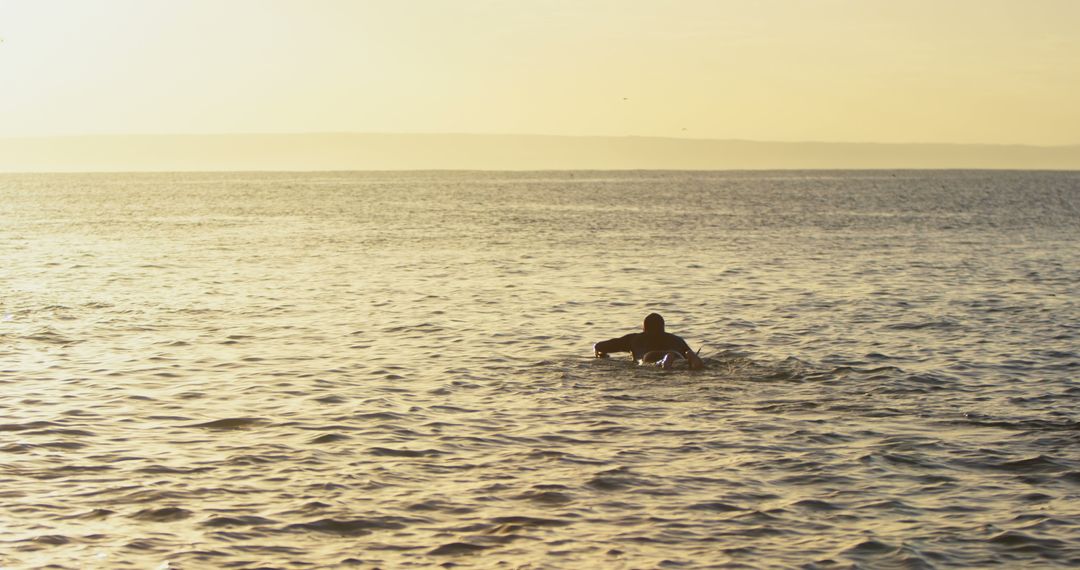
column 536, row 135
column 357, row 151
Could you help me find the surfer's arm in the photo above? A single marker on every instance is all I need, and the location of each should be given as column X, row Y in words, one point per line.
column 621, row 344
column 695, row 361
column 692, row 359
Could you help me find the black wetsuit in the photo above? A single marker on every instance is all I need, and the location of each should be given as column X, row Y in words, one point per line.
column 640, row 344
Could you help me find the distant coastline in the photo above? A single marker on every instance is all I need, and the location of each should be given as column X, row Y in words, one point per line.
column 358, row 151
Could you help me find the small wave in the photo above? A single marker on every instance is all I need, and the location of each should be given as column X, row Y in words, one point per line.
column 1036, row 498
column 716, row 506
column 616, row 479
column 229, row 424
column 16, row 448
column 94, row 514
column 383, row 416
column 457, row 549
column 878, row 554
column 890, row 505
column 546, row 497
column 919, row 325
column 52, row 539
column 353, row 527
column 387, row 452
column 435, row 505
column 816, row 505
column 330, row 438
column 68, row 445
column 1020, row 542
column 1020, row 425
column 172, row 471
column 49, row 336
column 1038, row 464
column 149, row 496
column 165, row 514
column 252, row 459
column 524, row 521
column 25, row 426
column 1029, row 466
column 247, row 520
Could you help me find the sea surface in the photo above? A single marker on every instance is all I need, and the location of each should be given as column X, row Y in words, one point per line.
column 394, row 370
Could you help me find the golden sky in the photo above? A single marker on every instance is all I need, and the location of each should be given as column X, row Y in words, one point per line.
column 965, row 71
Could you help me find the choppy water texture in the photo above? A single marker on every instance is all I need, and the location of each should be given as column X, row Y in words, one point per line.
column 393, row 370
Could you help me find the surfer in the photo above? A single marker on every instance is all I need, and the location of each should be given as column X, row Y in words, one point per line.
column 652, row 346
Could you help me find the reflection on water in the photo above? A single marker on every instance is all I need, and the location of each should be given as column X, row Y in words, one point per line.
column 392, row 370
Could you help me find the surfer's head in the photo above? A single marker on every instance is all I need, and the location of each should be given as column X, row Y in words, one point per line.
column 654, row 323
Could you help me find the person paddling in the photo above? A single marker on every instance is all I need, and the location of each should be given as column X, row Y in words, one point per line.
column 651, row 346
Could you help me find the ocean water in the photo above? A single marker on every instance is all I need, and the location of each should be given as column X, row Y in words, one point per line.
column 393, row 370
